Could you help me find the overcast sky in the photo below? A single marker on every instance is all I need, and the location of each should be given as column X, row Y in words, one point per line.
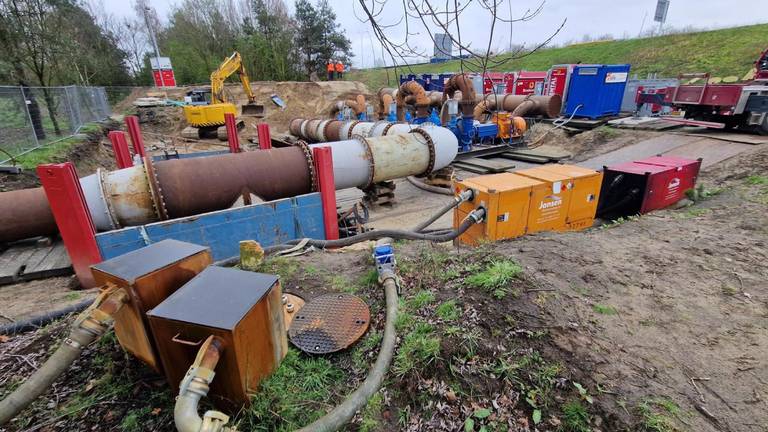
column 593, row 17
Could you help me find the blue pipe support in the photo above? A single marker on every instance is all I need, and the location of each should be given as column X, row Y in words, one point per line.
column 466, row 133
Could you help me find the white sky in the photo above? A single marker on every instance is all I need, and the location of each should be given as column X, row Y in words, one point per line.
column 593, row 17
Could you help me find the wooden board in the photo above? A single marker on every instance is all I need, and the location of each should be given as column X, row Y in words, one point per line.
column 484, row 165
column 28, row 261
column 548, row 152
column 525, row 158
column 742, row 138
column 641, row 150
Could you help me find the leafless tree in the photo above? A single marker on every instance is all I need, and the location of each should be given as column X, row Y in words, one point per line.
column 416, row 16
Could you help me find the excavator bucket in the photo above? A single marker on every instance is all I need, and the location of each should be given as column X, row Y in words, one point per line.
column 252, row 110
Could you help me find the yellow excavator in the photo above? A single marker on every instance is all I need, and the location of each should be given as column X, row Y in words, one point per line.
column 205, row 118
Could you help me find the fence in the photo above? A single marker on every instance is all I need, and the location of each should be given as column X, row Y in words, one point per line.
column 31, row 117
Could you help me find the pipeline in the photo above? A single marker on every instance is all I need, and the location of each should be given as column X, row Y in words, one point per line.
column 429, row 188
column 463, row 83
column 386, row 97
column 89, row 326
column 185, row 187
column 43, row 319
column 519, row 105
column 357, row 105
column 412, row 90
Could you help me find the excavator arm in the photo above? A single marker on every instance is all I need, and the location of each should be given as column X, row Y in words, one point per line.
column 231, row 64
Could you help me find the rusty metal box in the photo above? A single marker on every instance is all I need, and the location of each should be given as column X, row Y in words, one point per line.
column 645, row 185
column 580, row 192
column 149, row 275
column 506, row 198
column 243, row 309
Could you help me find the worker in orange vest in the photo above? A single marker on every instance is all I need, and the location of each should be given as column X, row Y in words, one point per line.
column 339, row 69
column 329, row 67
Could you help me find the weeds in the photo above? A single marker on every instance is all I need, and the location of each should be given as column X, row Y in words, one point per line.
column 604, row 309
column 419, row 348
column 756, row 180
column 575, row 417
column 496, row 277
column 616, row 222
column 371, row 414
column 448, row 311
column 295, row 395
column 655, row 414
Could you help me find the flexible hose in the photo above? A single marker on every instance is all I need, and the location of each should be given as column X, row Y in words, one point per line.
column 43, row 319
column 443, row 210
column 344, row 412
column 429, row 188
column 89, row 326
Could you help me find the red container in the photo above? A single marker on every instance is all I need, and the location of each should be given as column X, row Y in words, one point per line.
column 642, row 186
column 492, row 79
column 530, row 83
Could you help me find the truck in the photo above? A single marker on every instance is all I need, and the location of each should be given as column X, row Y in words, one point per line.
column 742, row 106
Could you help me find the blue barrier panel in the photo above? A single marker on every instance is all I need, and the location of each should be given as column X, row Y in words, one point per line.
column 268, row 223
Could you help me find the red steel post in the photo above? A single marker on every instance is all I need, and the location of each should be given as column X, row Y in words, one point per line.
column 232, row 139
column 132, row 124
column 323, row 159
column 265, row 140
column 120, row 147
column 70, row 210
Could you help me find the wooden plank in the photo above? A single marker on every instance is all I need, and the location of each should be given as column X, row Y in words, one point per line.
column 641, row 150
column 731, row 137
column 489, row 165
column 471, row 168
column 710, row 151
column 525, row 158
column 29, row 261
column 547, row 152
column 268, row 223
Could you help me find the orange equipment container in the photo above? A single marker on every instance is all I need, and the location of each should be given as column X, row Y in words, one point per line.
column 509, row 127
column 505, row 197
column 570, row 201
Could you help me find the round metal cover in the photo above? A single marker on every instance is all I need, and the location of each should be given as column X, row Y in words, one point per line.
column 329, row 323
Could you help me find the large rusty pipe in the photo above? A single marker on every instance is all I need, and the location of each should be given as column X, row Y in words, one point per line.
column 184, row 187
column 463, row 83
column 520, row 105
column 413, row 91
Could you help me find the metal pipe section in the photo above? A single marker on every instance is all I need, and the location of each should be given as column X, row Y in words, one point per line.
column 520, row 105
column 360, row 162
column 185, row 187
column 412, row 91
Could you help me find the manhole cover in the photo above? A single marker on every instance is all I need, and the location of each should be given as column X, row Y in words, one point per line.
column 329, row 323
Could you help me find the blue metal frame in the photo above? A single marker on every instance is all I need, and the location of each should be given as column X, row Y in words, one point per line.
column 268, row 223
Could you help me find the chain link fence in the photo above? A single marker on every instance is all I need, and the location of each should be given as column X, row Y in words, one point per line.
column 32, row 117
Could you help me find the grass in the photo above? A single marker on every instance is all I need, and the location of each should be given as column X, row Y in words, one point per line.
column 604, row 309
column 54, row 152
column 666, row 55
column 757, row 180
column 496, row 277
column 371, row 414
column 448, row 311
column 295, row 395
column 616, row 222
column 420, row 348
column 575, row 417
column 657, row 415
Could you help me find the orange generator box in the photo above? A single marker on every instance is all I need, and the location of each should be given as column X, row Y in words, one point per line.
column 547, row 198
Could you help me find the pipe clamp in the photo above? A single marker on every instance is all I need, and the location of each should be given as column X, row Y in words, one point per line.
column 431, row 146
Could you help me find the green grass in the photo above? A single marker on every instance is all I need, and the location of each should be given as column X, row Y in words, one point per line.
column 604, row 309
column 657, row 415
column 421, row 299
column 666, row 55
column 371, row 414
column 575, row 417
column 496, row 277
column 298, row 393
column 757, row 180
column 420, row 348
column 448, row 311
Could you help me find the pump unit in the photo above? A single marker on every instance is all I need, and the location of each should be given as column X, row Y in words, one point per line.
column 547, row 198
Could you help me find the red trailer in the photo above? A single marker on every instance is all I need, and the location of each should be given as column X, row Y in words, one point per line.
column 492, row 80
column 742, row 105
column 530, row 83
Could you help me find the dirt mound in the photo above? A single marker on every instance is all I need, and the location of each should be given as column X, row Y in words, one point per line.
column 588, row 144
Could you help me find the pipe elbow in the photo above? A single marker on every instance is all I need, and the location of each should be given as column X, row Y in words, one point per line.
column 185, row 415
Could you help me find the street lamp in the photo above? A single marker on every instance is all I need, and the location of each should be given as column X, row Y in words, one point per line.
column 154, row 43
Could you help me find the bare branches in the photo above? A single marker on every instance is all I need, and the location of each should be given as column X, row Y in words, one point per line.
column 416, row 19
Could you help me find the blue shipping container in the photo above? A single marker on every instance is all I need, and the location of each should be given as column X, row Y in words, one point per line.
column 596, row 91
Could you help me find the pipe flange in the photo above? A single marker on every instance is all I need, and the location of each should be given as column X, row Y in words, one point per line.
column 351, row 128
column 369, row 156
column 387, row 127
column 154, row 189
column 431, row 146
column 105, row 197
column 310, row 164
column 324, row 133
column 374, row 126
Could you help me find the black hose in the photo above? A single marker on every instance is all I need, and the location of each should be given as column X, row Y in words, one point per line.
column 443, row 210
column 41, row 320
column 476, row 216
column 429, row 188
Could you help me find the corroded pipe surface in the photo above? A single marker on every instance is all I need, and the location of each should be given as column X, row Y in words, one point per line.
column 412, row 91
column 198, row 185
column 25, row 213
column 520, row 105
column 461, row 83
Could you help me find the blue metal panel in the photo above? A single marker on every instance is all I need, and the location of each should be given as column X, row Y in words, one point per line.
column 268, row 223
column 596, row 91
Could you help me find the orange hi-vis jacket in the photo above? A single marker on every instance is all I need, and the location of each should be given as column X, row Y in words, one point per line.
column 330, row 67
column 339, row 67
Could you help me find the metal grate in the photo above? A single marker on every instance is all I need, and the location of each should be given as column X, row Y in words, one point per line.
column 329, row 323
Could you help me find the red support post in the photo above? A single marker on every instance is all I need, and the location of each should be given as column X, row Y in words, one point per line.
column 232, row 139
column 70, row 210
column 265, row 140
column 323, row 160
column 132, row 124
column 120, row 147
